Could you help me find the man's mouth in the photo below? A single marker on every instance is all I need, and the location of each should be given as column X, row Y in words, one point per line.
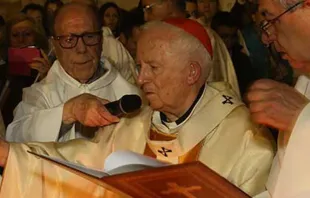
column 82, row 62
column 147, row 92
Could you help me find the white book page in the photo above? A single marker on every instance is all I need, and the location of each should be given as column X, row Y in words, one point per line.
column 116, row 163
column 119, row 159
column 89, row 171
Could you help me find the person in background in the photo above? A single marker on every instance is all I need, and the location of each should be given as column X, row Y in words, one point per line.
column 226, row 27
column 192, row 9
column 206, row 10
column 131, row 31
column 50, row 7
column 21, row 31
column 2, row 22
column 111, row 17
column 2, row 28
column 36, row 12
column 2, row 54
column 2, row 73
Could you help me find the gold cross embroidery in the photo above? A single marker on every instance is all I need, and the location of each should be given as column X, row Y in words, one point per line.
column 186, row 191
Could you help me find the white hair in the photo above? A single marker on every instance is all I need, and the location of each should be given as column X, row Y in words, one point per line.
column 185, row 46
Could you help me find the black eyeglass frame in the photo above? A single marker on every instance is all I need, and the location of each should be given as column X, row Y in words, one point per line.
column 78, row 36
column 265, row 24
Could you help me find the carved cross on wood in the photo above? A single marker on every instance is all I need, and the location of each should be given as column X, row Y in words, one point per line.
column 174, row 188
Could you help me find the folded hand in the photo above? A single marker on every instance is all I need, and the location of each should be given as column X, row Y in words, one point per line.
column 275, row 104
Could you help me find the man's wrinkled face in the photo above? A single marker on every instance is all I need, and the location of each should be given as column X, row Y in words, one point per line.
column 156, row 9
column 22, row 35
column 81, row 61
column 162, row 76
column 288, row 34
column 207, row 8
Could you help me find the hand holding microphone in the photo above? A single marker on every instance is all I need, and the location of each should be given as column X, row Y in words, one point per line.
column 93, row 111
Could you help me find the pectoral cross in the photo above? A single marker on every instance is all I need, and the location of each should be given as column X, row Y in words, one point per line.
column 228, row 100
column 174, row 188
column 164, row 151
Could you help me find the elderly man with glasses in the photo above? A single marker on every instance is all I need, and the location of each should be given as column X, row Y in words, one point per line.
column 70, row 97
column 286, row 25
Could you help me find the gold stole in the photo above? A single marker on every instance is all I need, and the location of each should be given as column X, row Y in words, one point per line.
column 190, row 156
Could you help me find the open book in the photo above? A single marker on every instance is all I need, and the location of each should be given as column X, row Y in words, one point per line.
column 130, row 174
column 117, row 163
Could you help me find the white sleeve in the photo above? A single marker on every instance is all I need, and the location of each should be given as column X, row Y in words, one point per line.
column 34, row 120
column 33, row 124
column 294, row 176
column 119, row 57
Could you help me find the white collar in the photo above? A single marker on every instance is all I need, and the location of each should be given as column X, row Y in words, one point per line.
column 170, row 127
column 106, row 79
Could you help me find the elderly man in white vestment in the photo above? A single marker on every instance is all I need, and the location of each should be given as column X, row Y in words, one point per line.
column 287, row 26
column 223, row 68
column 188, row 117
column 114, row 51
column 51, row 110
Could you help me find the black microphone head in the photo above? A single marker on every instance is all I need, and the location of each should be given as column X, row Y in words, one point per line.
column 130, row 103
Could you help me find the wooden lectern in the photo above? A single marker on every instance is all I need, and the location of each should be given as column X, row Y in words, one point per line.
column 192, row 180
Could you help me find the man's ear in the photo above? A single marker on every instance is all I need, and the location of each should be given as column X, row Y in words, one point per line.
column 194, row 73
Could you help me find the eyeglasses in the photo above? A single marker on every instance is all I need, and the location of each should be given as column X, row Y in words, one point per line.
column 70, row 41
column 266, row 24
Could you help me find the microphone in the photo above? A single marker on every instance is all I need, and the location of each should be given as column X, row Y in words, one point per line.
column 126, row 105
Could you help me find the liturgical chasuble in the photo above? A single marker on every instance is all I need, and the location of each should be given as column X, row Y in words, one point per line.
column 216, row 130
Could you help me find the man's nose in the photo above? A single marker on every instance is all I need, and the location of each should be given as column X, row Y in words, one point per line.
column 21, row 39
column 80, row 46
column 143, row 76
column 268, row 39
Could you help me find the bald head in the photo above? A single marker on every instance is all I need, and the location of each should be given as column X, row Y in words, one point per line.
column 75, row 11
